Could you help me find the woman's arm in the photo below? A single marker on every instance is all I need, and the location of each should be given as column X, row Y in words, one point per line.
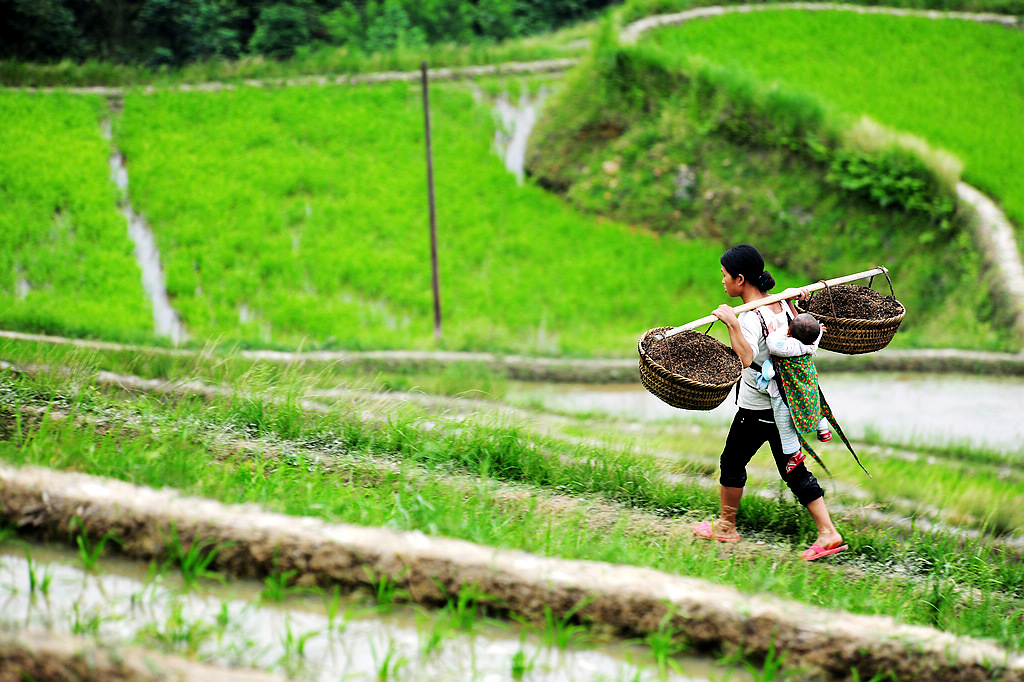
column 738, row 342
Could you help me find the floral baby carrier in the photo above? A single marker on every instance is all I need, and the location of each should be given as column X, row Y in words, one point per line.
column 797, row 379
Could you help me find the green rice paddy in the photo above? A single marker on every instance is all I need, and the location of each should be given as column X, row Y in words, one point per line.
column 307, row 207
column 66, row 263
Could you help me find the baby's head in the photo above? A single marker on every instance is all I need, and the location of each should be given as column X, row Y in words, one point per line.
column 804, row 328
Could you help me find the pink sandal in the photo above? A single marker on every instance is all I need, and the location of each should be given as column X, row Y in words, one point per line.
column 816, row 551
column 705, row 530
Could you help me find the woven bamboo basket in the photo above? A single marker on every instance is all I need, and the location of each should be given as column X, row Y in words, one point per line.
column 675, row 389
column 851, row 336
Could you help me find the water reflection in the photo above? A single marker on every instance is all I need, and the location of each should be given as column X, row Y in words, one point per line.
column 907, row 409
column 300, row 637
column 515, row 122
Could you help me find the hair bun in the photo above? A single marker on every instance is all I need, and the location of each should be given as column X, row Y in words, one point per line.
column 765, row 281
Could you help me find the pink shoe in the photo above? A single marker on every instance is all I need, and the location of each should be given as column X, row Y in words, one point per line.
column 825, row 436
column 705, row 530
column 816, row 551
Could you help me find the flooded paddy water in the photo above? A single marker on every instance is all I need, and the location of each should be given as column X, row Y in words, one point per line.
column 304, row 636
column 902, row 409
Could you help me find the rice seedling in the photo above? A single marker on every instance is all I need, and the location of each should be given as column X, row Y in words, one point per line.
column 565, row 630
column 292, row 659
column 464, row 608
column 773, row 668
column 341, row 303
column 177, row 632
column 86, row 623
column 390, row 664
column 88, row 553
column 37, row 582
column 666, row 642
column 194, row 562
column 521, row 664
column 279, row 585
column 64, row 245
column 385, row 591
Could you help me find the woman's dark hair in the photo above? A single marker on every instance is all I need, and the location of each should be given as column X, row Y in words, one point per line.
column 743, row 259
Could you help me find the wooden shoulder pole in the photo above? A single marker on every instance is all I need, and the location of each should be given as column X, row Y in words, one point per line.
column 775, row 298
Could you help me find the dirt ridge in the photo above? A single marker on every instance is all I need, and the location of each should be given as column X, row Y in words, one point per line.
column 49, row 656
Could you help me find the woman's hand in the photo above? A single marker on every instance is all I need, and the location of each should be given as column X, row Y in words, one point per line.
column 726, row 314
column 801, row 294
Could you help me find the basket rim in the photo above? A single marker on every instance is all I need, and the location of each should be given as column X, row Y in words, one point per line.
column 678, row 378
column 882, row 322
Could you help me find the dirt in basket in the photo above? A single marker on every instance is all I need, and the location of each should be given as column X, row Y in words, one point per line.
column 695, row 356
column 854, row 302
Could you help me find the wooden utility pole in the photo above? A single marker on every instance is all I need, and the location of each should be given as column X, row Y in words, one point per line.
column 433, row 219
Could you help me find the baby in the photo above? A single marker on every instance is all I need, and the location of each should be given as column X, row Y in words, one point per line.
column 795, row 399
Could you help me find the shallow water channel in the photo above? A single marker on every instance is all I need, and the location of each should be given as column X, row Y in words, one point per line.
column 982, row 412
column 305, row 636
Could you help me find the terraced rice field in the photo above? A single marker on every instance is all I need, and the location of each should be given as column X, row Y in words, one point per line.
column 310, row 442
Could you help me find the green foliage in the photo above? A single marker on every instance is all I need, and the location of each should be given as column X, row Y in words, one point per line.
column 372, row 480
column 165, row 33
column 193, row 561
column 181, row 31
column 890, row 179
column 633, row 10
column 518, row 270
column 389, row 27
column 88, row 552
column 280, row 30
column 344, row 25
column 39, row 30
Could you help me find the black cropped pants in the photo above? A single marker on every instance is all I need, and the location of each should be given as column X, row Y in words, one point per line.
column 750, row 429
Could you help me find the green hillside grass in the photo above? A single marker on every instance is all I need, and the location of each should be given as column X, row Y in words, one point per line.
column 957, row 84
column 307, row 207
column 61, row 235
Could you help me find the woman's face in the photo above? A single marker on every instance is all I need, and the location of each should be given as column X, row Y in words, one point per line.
column 732, row 284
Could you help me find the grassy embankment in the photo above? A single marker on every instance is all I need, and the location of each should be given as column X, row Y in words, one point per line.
column 652, row 135
column 901, row 71
column 260, row 445
column 66, row 263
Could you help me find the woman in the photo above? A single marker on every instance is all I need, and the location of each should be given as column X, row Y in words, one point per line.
column 744, row 276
